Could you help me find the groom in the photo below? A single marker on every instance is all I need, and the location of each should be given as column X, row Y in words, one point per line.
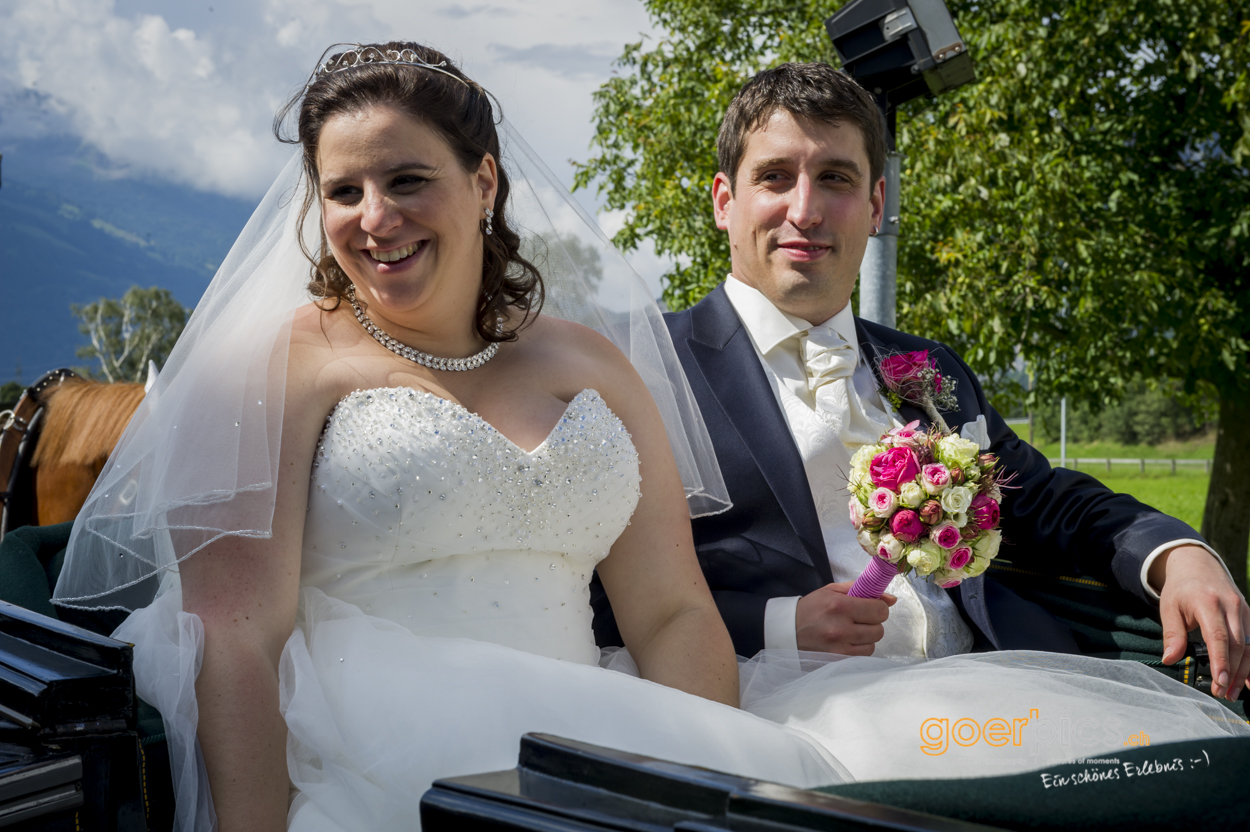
column 785, row 376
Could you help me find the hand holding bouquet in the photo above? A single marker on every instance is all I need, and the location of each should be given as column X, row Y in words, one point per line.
column 924, row 501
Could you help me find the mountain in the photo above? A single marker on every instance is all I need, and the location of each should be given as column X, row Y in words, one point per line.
column 73, row 230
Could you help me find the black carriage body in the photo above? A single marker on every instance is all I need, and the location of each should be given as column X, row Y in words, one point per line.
column 69, row 751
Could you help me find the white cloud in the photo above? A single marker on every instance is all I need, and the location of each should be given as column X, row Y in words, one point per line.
column 151, row 98
column 188, row 92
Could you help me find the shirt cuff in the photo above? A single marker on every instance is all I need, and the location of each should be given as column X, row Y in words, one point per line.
column 780, row 629
column 1145, row 567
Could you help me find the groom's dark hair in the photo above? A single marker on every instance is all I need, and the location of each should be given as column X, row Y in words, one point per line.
column 812, row 91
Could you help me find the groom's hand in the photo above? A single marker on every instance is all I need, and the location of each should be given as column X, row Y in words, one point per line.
column 1197, row 593
column 830, row 621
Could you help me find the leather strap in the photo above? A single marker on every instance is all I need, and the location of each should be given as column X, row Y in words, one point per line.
column 15, row 451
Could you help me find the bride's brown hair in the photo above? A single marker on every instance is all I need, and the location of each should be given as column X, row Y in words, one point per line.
column 456, row 108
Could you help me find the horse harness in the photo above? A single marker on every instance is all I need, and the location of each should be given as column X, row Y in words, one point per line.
column 19, row 428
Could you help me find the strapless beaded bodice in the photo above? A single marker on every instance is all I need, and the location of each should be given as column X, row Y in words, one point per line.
column 422, row 513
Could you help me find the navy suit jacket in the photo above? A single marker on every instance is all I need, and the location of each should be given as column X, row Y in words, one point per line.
column 769, row 545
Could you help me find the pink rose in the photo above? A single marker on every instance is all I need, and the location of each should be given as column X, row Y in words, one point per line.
column 890, row 469
column 882, row 501
column 901, row 373
column 959, row 558
column 935, row 477
column 931, row 512
column 904, row 366
column 983, row 512
column 906, row 526
column 872, row 522
column 857, row 513
column 957, row 476
column 907, row 436
column 945, row 535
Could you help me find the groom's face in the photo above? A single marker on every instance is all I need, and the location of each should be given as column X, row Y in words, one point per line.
column 799, row 213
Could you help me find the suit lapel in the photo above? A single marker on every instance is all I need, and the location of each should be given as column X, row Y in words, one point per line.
column 729, row 364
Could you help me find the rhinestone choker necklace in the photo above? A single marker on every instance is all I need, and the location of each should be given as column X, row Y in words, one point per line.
column 458, row 365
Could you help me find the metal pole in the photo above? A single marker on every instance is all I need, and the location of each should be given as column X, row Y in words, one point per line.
column 1063, row 432
column 1029, row 378
column 878, row 273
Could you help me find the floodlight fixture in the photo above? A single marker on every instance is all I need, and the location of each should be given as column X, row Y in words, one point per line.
column 900, row 49
column 897, row 50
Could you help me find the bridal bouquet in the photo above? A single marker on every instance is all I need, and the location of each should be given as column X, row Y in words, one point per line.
column 923, row 500
column 926, row 501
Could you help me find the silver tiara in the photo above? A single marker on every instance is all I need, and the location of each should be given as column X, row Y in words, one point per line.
column 362, row 55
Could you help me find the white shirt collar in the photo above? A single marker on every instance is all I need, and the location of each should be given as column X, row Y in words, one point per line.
column 768, row 326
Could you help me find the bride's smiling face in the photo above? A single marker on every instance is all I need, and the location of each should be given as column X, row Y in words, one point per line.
column 402, row 216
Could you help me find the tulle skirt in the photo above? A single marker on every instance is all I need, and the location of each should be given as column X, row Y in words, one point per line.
column 376, row 713
column 976, row 715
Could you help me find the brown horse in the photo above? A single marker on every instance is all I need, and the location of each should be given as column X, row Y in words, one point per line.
column 82, row 423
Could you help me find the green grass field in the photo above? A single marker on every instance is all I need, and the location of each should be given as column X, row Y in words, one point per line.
column 1181, row 495
column 1200, row 447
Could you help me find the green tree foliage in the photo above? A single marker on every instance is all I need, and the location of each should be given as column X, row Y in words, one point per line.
column 10, row 392
column 1143, row 416
column 1085, row 205
column 126, row 333
column 656, row 123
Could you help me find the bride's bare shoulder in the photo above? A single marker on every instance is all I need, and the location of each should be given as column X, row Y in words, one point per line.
column 313, row 363
column 571, row 345
column 579, row 357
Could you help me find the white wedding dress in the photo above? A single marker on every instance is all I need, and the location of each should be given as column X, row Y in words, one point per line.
column 445, row 612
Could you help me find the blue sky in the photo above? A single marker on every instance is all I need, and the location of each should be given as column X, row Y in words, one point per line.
column 186, row 91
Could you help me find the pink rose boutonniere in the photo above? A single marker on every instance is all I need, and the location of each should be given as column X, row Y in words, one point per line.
column 914, row 378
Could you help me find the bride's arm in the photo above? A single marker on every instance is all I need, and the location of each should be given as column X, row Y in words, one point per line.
column 661, row 600
column 245, row 592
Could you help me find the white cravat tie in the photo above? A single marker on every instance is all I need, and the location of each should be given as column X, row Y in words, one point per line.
column 830, row 363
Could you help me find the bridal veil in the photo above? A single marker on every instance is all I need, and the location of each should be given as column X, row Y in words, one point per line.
column 198, row 461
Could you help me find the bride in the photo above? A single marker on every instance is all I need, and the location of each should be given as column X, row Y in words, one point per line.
column 362, row 509
column 356, row 531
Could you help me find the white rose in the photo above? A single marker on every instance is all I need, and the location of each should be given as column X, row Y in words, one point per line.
column 976, row 567
column 924, row 558
column 868, row 541
column 892, row 546
column 986, row 546
column 959, row 518
column 858, row 477
column 911, row 495
column 956, row 499
column 862, row 458
column 959, row 451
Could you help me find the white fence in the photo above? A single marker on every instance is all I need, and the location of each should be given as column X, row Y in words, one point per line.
column 1077, row 462
column 1140, row 463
